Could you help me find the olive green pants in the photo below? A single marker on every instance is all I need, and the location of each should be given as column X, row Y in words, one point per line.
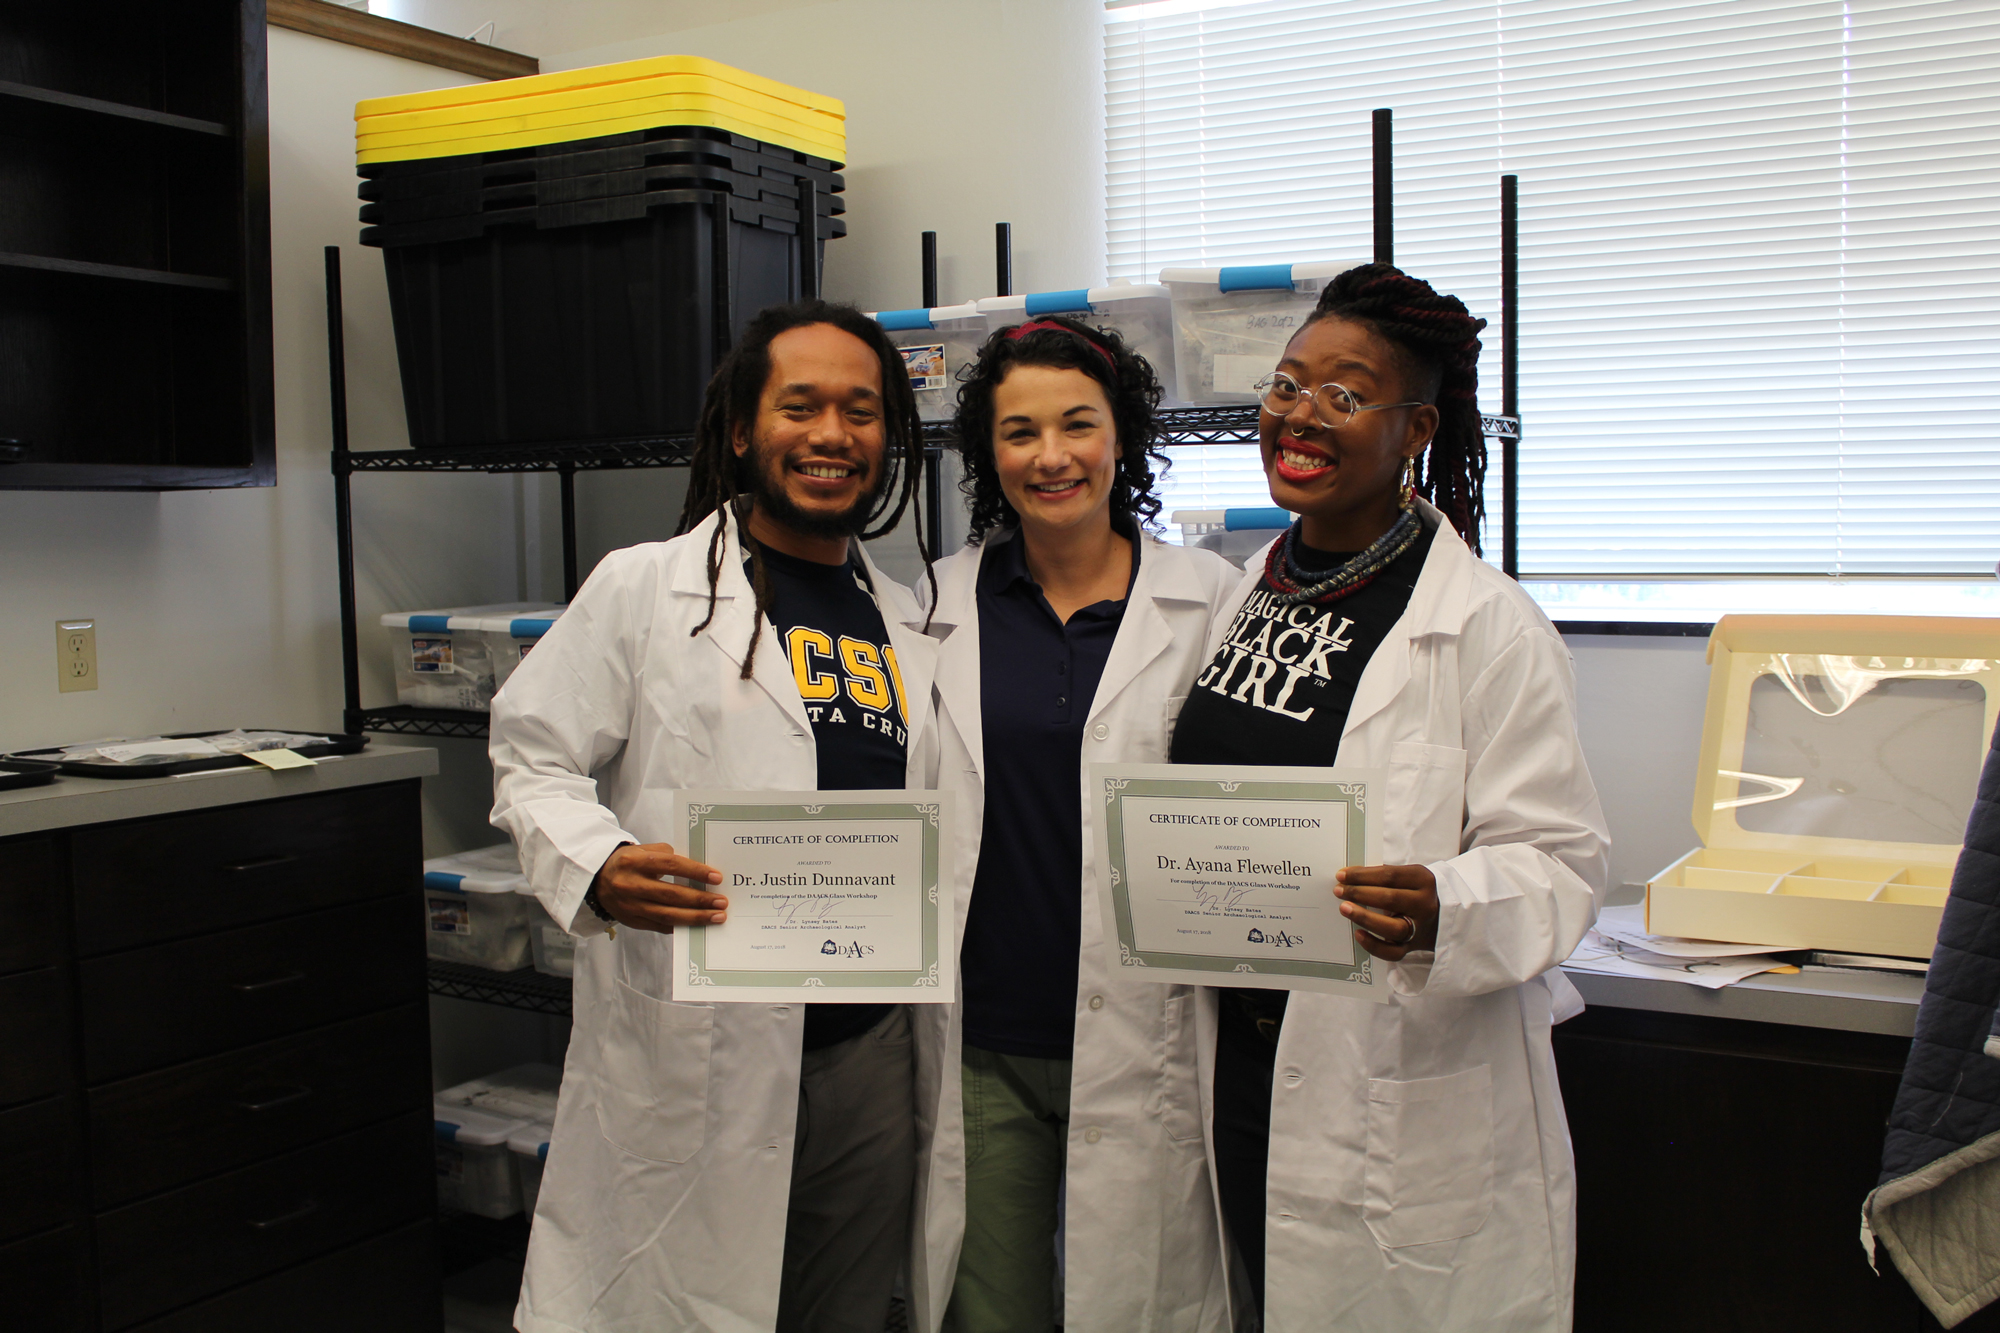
column 1016, row 1136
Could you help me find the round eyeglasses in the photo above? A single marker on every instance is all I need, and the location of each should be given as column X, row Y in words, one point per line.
column 1333, row 405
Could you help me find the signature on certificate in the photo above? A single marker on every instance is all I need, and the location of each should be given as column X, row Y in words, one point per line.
column 1218, row 896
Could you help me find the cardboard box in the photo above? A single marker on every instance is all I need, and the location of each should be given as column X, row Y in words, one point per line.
column 1839, row 760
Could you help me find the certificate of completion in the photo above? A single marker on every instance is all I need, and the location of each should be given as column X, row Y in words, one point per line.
column 1223, row 875
column 834, row 896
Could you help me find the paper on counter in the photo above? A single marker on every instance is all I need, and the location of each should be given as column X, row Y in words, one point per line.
column 1628, row 923
column 1613, row 957
column 277, row 759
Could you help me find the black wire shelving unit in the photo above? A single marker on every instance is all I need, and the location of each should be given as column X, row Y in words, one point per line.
column 566, row 458
column 536, row 992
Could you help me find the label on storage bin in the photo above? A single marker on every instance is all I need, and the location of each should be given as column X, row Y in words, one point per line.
column 1239, row 374
column 448, row 915
column 430, row 654
column 925, row 363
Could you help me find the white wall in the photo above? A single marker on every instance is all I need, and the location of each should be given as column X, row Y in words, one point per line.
column 1639, row 708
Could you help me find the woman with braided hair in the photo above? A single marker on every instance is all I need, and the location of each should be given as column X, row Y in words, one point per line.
column 1398, row 1166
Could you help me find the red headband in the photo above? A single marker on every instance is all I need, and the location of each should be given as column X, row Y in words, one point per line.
column 1019, row 331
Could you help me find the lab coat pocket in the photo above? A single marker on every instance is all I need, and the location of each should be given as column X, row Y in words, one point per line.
column 653, row 1075
column 1430, row 1157
column 1425, row 809
column 1178, row 1096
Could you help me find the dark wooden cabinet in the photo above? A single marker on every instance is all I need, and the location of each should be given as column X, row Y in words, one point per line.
column 1721, row 1166
column 135, row 287
column 215, row 1110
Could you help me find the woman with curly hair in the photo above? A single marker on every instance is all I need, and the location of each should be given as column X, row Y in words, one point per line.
column 1398, row 1166
column 1070, row 635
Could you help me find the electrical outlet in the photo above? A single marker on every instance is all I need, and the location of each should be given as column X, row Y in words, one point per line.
column 76, row 655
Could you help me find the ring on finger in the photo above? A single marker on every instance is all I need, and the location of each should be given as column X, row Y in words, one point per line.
column 1410, row 938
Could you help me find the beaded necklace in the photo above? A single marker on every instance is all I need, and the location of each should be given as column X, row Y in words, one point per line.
column 1295, row 585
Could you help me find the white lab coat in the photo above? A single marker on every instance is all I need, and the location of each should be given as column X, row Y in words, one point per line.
column 663, row 1206
column 1420, row 1174
column 1143, row 1249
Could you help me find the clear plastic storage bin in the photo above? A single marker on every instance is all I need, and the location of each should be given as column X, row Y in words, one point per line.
column 477, row 909
column 510, row 638
column 530, row 1146
column 1140, row 313
column 524, row 1092
column 936, row 344
column 1234, row 534
column 447, row 658
column 1231, row 324
column 555, row 950
column 475, row 1168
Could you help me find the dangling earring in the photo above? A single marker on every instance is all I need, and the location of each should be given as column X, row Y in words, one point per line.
column 1409, row 483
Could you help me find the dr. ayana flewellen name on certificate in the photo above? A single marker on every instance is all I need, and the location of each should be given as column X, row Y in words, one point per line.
column 1224, row 875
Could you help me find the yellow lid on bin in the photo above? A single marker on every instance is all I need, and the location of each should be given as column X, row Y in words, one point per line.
column 616, row 118
column 585, row 104
column 595, row 76
column 608, row 96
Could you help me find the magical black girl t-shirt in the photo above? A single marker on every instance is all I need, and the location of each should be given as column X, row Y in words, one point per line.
column 1279, row 688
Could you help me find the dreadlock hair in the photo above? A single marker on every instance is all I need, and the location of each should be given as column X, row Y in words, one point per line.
column 1435, row 342
column 719, row 480
column 1129, row 384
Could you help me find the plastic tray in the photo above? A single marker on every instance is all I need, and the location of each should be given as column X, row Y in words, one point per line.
column 523, row 165
column 604, row 185
column 15, row 773
column 88, row 768
column 646, row 140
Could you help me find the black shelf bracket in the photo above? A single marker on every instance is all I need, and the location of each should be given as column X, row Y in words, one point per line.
column 411, row 720
column 536, row 992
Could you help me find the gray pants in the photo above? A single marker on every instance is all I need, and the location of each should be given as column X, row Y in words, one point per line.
column 854, row 1163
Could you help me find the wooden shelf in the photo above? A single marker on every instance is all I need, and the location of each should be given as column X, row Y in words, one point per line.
column 118, row 272
column 372, row 32
column 98, row 106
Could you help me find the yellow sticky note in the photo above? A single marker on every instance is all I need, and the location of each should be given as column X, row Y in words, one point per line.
column 282, row 759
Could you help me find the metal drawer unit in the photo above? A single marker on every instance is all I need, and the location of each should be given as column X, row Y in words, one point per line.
column 214, row 1110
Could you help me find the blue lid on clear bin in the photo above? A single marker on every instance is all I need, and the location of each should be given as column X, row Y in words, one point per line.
column 447, row 619
column 495, row 869
column 1307, row 276
column 471, row 1128
column 903, row 321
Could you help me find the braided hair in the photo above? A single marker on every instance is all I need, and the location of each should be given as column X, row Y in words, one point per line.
column 719, row 480
column 1129, row 384
column 1435, row 343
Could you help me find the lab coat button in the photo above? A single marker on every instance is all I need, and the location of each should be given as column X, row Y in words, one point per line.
column 1097, row 1001
column 1100, row 732
column 1092, row 1135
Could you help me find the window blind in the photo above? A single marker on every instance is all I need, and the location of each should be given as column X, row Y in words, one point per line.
column 1760, row 302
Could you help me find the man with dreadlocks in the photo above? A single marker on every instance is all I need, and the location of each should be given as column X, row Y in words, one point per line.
column 731, row 1166
column 1411, row 1169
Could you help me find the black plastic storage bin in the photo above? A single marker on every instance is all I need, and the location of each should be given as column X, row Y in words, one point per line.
column 462, row 202
column 589, row 157
column 589, row 322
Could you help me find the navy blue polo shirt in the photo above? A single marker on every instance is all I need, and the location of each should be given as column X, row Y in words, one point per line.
column 1037, row 678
